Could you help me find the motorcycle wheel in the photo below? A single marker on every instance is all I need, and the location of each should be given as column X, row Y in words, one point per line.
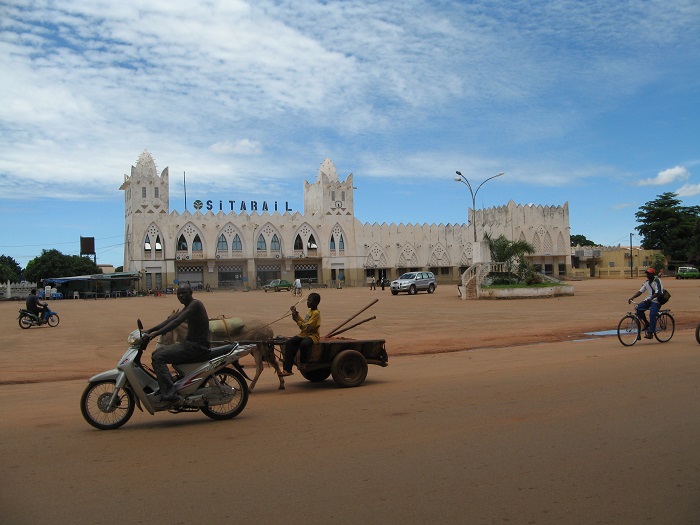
column 94, row 405
column 238, row 400
column 53, row 320
column 25, row 322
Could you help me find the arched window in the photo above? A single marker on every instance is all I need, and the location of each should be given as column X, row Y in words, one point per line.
column 275, row 243
column 182, row 244
column 341, row 244
column 332, row 242
column 236, row 244
column 147, row 244
column 262, row 246
column 197, row 244
column 222, row 245
column 298, row 244
column 159, row 246
column 311, row 245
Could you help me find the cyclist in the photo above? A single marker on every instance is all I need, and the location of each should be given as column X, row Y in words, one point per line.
column 653, row 289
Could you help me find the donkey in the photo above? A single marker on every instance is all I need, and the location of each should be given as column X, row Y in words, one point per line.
column 254, row 331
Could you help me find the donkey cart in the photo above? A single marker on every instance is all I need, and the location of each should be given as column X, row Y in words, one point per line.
column 345, row 359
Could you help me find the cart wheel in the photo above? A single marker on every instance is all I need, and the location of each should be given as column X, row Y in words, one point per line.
column 316, row 376
column 349, row 368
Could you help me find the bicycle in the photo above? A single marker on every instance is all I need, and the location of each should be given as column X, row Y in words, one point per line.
column 629, row 329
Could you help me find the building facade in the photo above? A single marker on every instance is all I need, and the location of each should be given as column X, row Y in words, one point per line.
column 325, row 245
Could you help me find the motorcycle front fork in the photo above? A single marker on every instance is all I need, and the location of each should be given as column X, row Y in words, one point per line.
column 118, row 385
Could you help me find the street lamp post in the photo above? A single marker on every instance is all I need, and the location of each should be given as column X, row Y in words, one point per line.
column 464, row 181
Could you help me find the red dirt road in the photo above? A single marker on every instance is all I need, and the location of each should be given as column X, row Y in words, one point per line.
column 576, row 430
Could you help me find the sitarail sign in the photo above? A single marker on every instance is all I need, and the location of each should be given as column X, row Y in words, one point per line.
column 210, row 205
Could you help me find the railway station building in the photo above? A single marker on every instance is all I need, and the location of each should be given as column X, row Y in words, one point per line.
column 325, row 245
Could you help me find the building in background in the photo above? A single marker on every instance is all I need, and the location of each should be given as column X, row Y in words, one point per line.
column 325, row 244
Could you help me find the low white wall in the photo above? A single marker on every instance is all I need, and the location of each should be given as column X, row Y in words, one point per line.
column 519, row 293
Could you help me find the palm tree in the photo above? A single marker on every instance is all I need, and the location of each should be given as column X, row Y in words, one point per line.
column 509, row 252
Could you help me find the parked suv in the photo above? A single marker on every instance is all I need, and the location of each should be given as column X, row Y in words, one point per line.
column 687, row 272
column 413, row 282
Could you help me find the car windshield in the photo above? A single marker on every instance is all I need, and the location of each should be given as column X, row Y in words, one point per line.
column 408, row 276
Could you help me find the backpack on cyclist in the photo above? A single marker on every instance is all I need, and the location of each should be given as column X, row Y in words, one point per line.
column 664, row 294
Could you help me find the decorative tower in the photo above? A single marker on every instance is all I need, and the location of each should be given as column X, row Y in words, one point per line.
column 328, row 195
column 146, row 198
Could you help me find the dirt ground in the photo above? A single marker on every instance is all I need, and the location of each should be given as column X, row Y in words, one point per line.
column 92, row 333
column 536, row 422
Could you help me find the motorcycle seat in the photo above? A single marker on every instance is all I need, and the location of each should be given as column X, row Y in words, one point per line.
column 212, row 354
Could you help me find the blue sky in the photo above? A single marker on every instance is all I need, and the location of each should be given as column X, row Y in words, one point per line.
column 594, row 103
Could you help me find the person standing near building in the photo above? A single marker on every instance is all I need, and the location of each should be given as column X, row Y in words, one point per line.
column 373, row 284
column 652, row 287
column 309, row 335
column 297, row 287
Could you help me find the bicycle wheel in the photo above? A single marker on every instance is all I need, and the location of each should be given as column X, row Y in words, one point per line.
column 665, row 326
column 628, row 330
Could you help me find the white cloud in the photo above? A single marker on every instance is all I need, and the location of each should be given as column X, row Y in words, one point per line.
column 688, row 190
column 240, row 147
column 678, row 173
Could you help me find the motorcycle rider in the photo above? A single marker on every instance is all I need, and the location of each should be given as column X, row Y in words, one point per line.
column 34, row 306
column 194, row 347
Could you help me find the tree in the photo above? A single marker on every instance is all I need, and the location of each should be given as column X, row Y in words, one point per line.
column 667, row 226
column 509, row 252
column 10, row 270
column 580, row 240
column 52, row 263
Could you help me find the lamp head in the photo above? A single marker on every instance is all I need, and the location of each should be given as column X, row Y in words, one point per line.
column 458, row 179
column 458, row 173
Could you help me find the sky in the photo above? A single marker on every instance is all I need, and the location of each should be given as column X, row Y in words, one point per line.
column 591, row 103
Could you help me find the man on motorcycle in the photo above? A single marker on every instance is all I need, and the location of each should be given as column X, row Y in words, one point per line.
column 194, row 347
column 34, row 306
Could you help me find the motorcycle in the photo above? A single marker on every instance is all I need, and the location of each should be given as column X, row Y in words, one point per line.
column 212, row 386
column 27, row 319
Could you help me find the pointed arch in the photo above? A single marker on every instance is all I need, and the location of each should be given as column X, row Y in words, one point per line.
column 306, row 241
column 561, row 249
column 221, row 244
column 537, row 243
column 376, row 257
column 467, row 256
column 152, row 243
column 337, row 240
column 547, row 245
column 228, row 242
column 189, row 242
column 408, row 257
column 270, row 236
column 439, row 256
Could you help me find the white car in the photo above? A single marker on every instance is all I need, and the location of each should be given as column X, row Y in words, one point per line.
column 413, row 282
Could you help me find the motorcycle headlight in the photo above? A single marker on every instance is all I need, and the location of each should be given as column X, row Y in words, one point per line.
column 134, row 338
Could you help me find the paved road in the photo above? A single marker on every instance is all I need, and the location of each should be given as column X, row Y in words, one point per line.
column 568, row 432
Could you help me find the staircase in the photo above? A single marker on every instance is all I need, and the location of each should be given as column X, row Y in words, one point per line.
column 475, row 275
